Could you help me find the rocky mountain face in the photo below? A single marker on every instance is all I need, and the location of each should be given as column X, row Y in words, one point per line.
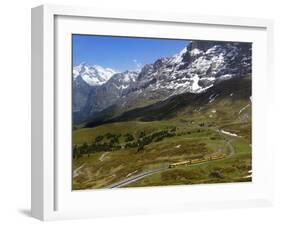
column 198, row 67
column 86, row 79
column 220, row 99
column 106, row 95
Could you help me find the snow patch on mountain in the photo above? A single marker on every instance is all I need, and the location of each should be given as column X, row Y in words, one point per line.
column 195, row 87
column 228, row 133
column 195, row 52
column 225, row 77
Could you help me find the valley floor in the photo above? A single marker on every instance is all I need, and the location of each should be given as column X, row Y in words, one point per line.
column 214, row 155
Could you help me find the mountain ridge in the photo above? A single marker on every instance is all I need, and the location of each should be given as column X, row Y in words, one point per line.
column 235, row 88
column 195, row 69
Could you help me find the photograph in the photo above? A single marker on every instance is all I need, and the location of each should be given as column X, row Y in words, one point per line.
column 160, row 111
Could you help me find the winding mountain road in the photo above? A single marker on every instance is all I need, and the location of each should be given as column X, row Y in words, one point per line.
column 137, row 177
column 147, row 173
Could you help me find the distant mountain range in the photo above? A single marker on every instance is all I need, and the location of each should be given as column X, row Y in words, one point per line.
column 102, row 93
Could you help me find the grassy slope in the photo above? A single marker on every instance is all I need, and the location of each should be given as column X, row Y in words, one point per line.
column 221, row 113
column 232, row 169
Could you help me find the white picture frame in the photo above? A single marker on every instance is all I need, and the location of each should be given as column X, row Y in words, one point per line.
column 52, row 197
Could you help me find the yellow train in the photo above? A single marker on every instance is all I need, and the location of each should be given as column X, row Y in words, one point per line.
column 173, row 165
column 220, row 156
column 196, row 161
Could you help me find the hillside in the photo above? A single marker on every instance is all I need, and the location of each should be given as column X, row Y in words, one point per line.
column 233, row 90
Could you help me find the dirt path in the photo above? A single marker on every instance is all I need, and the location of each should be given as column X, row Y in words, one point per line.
column 76, row 171
column 232, row 137
column 231, row 148
column 102, row 156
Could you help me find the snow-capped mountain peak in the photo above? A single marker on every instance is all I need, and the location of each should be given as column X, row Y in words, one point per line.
column 198, row 67
column 179, row 57
column 122, row 81
column 93, row 75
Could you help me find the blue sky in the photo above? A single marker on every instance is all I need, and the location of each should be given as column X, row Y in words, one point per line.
column 122, row 53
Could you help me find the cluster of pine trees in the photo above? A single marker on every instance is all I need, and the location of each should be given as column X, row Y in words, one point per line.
column 111, row 142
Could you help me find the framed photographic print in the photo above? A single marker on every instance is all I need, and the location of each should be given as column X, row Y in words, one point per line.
column 137, row 112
